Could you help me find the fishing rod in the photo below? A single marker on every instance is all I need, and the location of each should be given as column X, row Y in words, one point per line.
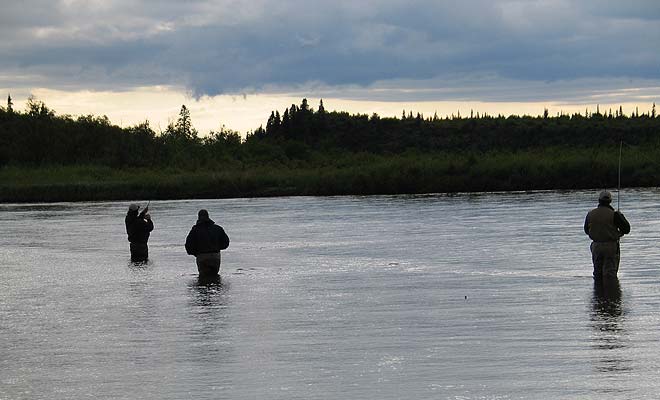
column 144, row 212
column 618, row 188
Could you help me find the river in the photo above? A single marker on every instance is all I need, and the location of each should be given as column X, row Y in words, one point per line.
column 470, row 296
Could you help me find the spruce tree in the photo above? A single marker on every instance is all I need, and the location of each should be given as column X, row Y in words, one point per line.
column 183, row 125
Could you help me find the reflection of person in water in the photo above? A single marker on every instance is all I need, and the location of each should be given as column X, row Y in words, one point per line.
column 607, row 319
column 607, row 300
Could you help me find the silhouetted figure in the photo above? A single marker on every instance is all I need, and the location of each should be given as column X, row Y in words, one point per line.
column 138, row 228
column 205, row 241
column 605, row 226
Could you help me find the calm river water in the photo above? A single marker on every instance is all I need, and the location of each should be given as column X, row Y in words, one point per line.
column 484, row 296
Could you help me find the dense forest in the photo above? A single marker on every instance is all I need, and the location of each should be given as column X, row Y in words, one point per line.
column 308, row 151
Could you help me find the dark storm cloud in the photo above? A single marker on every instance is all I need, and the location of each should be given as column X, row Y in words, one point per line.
column 211, row 47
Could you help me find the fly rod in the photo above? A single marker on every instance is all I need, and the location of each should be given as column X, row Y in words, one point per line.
column 618, row 188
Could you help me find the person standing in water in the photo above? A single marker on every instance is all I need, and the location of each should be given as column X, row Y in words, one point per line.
column 205, row 241
column 138, row 228
column 605, row 226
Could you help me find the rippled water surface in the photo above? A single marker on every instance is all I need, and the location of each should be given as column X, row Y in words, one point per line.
column 454, row 297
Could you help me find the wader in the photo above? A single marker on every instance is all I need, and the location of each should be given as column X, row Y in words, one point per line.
column 139, row 252
column 605, row 256
column 208, row 264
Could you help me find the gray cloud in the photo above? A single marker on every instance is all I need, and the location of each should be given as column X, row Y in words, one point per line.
column 228, row 46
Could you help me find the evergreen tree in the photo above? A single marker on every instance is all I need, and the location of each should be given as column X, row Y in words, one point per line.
column 10, row 104
column 274, row 124
column 183, row 127
column 183, row 123
column 286, row 123
column 270, row 125
column 319, row 123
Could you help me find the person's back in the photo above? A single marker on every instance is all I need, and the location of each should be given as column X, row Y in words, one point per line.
column 205, row 241
column 602, row 226
column 605, row 227
column 206, row 237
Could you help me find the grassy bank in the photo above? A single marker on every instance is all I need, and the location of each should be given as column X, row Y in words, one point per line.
column 556, row 168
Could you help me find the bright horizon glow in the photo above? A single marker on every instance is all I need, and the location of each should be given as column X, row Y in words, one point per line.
column 244, row 113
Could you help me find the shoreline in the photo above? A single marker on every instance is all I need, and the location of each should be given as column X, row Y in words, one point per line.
column 56, row 193
column 414, row 195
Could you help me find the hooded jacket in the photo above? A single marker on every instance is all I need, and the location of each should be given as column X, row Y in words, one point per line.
column 137, row 227
column 206, row 237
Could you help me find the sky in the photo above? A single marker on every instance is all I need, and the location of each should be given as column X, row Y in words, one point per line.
column 232, row 62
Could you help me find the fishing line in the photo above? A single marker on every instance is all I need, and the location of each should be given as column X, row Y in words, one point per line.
column 638, row 154
column 618, row 188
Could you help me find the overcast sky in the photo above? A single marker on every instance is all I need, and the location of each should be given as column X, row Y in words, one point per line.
column 247, row 57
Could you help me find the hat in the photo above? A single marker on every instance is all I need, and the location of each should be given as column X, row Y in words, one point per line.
column 605, row 196
column 133, row 207
column 203, row 214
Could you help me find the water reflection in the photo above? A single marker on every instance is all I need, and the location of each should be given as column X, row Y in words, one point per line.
column 607, row 301
column 208, row 295
column 209, row 281
column 207, row 331
column 139, row 265
column 608, row 320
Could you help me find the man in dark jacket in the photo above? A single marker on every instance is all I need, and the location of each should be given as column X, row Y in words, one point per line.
column 138, row 228
column 605, row 226
column 205, row 241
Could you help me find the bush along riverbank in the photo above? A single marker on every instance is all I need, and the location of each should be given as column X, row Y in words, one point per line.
column 45, row 157
column 354, row 174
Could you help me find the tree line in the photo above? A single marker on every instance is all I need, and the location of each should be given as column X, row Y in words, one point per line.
column 39, row 137
column 481, row 133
